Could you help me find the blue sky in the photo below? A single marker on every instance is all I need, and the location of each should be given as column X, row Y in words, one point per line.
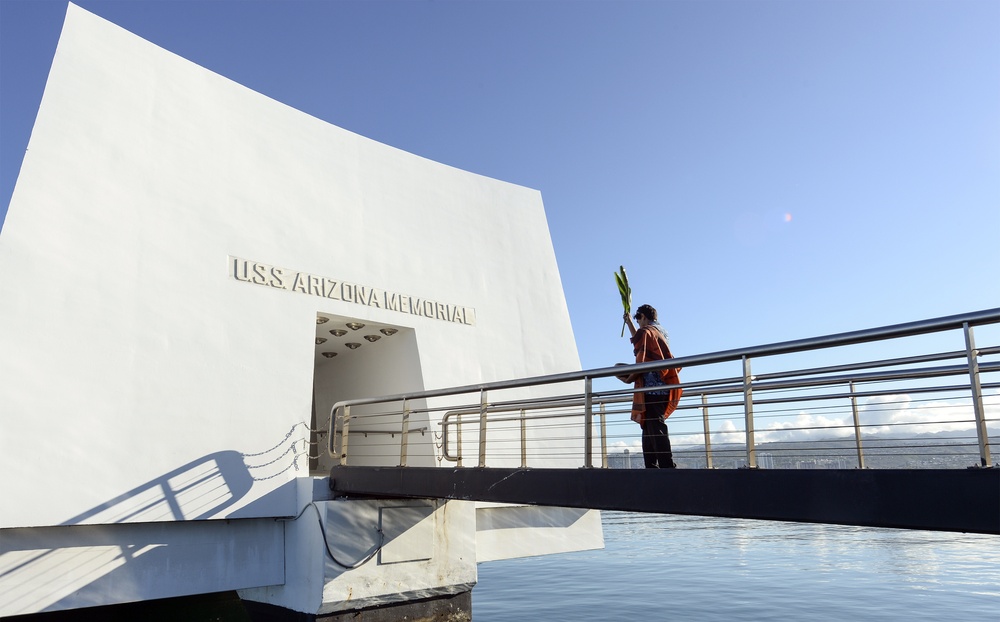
column 807, row 167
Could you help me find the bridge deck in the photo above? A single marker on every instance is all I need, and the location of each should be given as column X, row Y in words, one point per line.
column 943, row 500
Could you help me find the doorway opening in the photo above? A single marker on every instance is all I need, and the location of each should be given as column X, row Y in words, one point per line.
column 355, row 358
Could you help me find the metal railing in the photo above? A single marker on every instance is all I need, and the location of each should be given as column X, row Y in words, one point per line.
column 565, row 419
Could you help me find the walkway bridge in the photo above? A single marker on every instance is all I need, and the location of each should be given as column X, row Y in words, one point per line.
column 823, row 430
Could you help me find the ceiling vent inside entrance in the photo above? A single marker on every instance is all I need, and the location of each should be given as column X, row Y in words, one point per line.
column 338, row 336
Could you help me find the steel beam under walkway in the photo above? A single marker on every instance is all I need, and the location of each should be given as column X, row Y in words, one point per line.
column 942, row 500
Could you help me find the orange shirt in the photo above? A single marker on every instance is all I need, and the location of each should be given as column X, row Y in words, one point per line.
column 650, row 345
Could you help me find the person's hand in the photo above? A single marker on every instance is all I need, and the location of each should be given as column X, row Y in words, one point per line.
column 629, row 323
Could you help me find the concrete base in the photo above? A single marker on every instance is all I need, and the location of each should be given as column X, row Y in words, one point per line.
column 453, row 608
column 218, row 607
column 227, row 607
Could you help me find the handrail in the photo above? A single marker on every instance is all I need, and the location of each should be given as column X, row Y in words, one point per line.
column 746, row 384
column 952, row 322
column 452, row 418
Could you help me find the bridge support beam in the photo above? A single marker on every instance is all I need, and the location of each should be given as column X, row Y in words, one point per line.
column 964, row 500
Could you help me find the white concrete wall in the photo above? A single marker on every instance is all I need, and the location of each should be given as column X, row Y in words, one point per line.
column 403, row 550
column 176, row 247
column 58, row 568
column 130, row 351
column 506, row 532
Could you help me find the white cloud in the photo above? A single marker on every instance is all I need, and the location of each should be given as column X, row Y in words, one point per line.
column 620, row 446
column 805, row 427
column 728, row 434
column 898, row 414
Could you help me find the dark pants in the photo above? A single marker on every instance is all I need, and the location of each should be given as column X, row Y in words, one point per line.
column 655, row 438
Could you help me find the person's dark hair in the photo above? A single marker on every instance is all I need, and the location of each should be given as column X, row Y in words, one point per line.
column 647, row 311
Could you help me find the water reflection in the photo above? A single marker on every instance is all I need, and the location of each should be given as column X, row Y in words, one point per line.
column 905, row 553
column 687, row 567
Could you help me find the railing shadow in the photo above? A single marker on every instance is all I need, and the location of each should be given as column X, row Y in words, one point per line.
column 76, row 562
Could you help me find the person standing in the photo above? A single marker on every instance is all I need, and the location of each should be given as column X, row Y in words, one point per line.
column 650, row 409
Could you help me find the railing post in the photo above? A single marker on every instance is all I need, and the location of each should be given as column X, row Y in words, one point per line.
column 524, row 441
column 482, row 428
column 458, row 440
column 406, row 434
column 857, row 427
column 588, row 421
column 977, row 396
column 748, row 409
column 331, row 438
column 708, row 437
column 343, row 435
column 604, row 437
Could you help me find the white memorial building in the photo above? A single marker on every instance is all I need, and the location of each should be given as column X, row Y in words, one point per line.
column 191, row 275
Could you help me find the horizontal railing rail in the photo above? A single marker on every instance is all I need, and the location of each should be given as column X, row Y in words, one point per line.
column 562, row 426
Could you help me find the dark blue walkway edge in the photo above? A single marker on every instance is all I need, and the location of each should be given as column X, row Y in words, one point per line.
column 965, row 500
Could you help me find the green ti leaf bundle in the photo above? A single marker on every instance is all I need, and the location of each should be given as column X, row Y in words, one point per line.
column 621, row 279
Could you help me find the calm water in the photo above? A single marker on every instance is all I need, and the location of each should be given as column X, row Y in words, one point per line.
column 692, row 568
